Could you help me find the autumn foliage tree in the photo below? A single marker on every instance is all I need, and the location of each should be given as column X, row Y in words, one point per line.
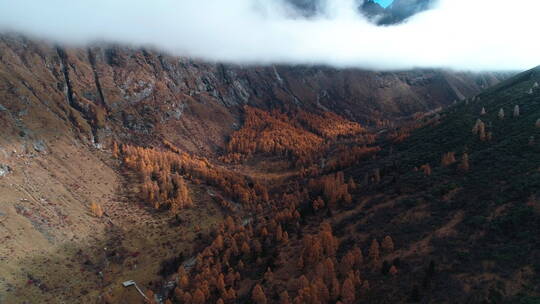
column 348, row 293
column 328, row 124
column 273, row 133
column 393, row 270
column 480, row 130
column 374, row 251
column 448, row 159
column 163, row 174
column 115, row 150
column 318, row 203
column 464, row 165
column 258, row 295
column 345, row 156
column 426, row 168
column 198, row 297
column 298, row 135
column 387, row 244
column 97, row 210
column 333, row 190
column 317, row 247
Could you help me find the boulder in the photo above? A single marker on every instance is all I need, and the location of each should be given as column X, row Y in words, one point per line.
column 39, row 146
column 4, row 170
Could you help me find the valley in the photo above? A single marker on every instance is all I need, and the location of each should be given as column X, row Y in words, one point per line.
column 213, row 183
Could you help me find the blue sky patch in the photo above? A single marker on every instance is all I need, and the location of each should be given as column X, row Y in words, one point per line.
column 384, row 3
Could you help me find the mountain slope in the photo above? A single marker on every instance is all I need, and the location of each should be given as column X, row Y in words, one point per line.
column 97, row 92
column 477, row 223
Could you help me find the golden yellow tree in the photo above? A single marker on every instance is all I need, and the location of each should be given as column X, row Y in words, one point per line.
column 97, row 210
column 115, row 151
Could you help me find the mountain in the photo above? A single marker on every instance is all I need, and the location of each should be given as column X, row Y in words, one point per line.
column 99, row 92
column 371, row 9
column 400, row 10
column 123, row 164
column 396, row 13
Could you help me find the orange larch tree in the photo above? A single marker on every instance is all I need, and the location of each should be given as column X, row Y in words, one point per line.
column 464, row 166
column 348, row 293
column 258, row 295
column 387, row 244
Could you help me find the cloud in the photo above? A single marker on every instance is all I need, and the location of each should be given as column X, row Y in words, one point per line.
column 458, row 34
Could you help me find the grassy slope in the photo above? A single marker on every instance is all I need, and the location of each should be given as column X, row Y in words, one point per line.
column 493, row 251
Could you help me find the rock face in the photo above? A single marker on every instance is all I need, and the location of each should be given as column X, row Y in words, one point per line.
column 4, row 170
column 371, row 9
column 105, row 92
column 39, row 146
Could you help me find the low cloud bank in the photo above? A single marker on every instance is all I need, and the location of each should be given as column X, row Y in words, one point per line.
column 457, row 34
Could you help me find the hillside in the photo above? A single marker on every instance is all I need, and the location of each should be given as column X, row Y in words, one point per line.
column 474, row 214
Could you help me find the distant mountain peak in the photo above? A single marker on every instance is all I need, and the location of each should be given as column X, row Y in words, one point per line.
column 400, row 10
column 394, row 13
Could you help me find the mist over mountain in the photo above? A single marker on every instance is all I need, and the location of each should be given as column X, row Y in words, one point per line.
column 400, row 10
column 442, row 34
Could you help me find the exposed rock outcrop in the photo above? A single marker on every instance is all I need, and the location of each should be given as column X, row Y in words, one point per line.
column 4, row 170
column 111, row 91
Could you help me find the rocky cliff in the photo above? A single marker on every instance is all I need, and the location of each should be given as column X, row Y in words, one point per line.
column 103, row 92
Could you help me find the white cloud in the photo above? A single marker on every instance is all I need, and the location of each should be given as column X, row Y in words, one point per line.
column 459, row 34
